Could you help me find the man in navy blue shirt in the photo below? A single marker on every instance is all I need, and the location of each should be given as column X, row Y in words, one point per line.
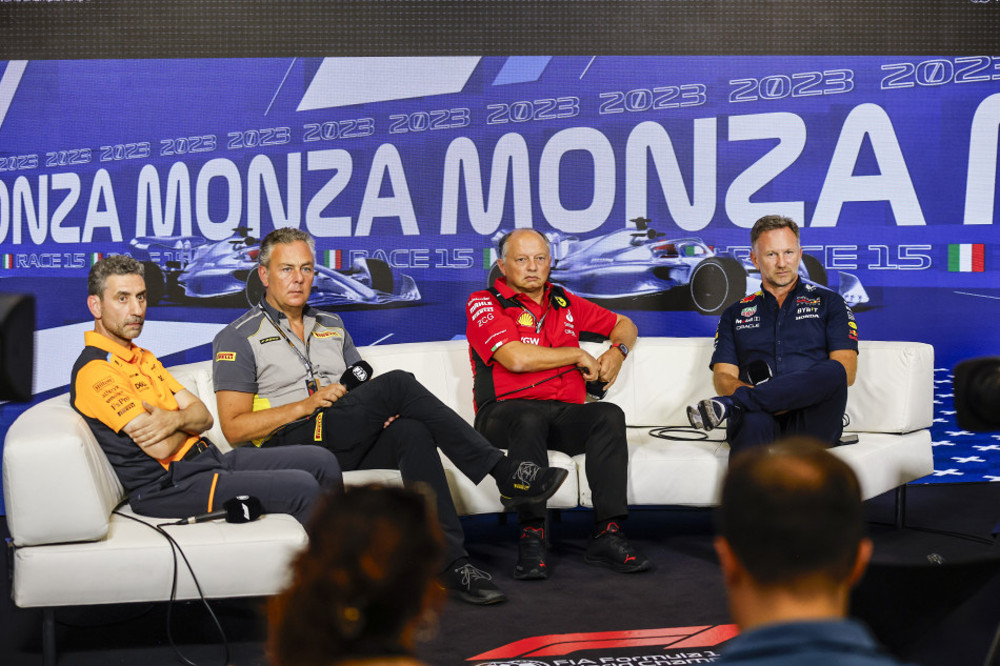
column 784, row 355
column 791, row 545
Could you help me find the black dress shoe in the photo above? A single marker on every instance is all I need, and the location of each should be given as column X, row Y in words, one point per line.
column 471, row 585
column 531, row 555
column 529, row 483
column 612, row 550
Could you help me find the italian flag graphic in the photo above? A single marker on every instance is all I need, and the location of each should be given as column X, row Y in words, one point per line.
column 489, row 258
column 8, row 261
column 966, row 258
column 95, row 257
column 333, row 259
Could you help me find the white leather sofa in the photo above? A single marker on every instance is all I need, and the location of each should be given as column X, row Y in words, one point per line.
column 70, row 549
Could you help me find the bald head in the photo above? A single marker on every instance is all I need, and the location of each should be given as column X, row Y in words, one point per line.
column 525, row 262
column 505, row 241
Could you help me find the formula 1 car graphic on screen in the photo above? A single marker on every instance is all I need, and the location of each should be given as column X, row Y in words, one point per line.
column 643, row 262
column 179, row 268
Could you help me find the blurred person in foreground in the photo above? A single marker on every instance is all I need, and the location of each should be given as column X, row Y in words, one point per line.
column 365, row 589
column 791, row 546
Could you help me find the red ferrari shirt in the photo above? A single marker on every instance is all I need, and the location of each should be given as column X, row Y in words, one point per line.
column 559, row 320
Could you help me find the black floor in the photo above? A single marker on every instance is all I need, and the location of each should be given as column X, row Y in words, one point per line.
column 931, row 597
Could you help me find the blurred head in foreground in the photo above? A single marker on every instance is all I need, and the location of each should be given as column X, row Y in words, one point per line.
column 366, row 584
column 791, row 533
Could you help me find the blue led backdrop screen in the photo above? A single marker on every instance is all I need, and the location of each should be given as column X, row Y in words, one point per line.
column 645, row 172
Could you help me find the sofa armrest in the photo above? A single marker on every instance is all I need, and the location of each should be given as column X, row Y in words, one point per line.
column 894, row 389
column 58, row 485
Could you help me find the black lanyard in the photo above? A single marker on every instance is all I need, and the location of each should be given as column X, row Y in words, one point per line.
column 311, row 383
column 538, row 322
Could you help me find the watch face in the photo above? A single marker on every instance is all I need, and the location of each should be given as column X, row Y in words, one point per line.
column 623, row 348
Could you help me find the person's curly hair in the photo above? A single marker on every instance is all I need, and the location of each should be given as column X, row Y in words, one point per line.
column 373, row 556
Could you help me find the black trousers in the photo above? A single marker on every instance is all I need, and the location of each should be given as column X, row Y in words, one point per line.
column 353, row 429
column 287, row 480
column 529, row 428
column 813, row 402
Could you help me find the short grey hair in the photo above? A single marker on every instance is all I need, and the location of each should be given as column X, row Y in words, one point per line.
column 116, row 264
column 283, row 236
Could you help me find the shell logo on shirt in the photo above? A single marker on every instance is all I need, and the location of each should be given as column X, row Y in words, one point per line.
column 525, row 319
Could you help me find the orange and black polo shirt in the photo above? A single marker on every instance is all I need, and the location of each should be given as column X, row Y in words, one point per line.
column 108, row 387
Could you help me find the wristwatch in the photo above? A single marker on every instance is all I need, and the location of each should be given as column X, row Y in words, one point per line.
column 622, row 348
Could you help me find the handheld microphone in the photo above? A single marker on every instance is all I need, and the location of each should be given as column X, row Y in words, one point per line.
column 239, row 509
column 597, row 389
column 758, row 372
column 356, row 375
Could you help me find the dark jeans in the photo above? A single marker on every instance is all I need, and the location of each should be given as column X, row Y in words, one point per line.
column 529, row 428
column 353, row 429
column 813, row 402
column 287, row 480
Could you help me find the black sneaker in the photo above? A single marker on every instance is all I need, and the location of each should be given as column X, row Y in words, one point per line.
column 531, row 555
column 611, row 549
column 709, row 413
column 530, row 484
column 472, row 585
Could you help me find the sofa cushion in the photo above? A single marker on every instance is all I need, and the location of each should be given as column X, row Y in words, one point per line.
column 134, row 563
column 197, row 378
column 58, row 485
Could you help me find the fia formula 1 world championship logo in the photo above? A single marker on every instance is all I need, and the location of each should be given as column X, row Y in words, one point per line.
column 522, row 652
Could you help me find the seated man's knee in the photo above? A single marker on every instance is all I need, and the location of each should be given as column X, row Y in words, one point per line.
column 324, row 465
column 397, row 376
column 753, row 429
column 407, row 434
column 296, row 483
column 609, row 414
column 526, row 420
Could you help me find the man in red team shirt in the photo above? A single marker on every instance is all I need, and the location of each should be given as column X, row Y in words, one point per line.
column 530, row 374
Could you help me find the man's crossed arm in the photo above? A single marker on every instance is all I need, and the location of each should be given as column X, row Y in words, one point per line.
column 160, row 432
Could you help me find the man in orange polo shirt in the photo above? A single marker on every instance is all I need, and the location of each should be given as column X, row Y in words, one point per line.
column 149, row 425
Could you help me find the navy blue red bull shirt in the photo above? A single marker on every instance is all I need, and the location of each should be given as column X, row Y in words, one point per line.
column 811, row 323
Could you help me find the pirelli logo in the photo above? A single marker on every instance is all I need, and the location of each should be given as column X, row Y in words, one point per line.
column 225, row 356
column 329, row 333
column 318, row 432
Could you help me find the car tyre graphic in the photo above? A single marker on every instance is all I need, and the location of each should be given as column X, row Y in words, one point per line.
column 815, row 270
column 255, row 288
column 493, row 276
column 379, row 275
column 717, row 283
column 156, row 285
